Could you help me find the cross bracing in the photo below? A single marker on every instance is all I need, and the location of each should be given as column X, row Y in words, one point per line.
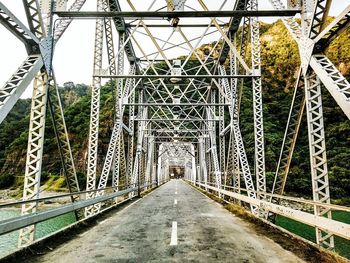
column 175, row 104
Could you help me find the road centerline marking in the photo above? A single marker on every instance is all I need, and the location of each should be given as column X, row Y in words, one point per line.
column 175, row 202
column 173, row 241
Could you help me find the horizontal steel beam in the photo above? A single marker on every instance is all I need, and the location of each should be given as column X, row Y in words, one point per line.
column 180, row 25
column 184, row 120
column 177, row 104
column 178, row 131
column 179, row 142
column 170, row 14
column 175, row 138
column 172, row 76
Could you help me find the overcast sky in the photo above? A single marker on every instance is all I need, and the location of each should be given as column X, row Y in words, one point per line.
column 74, row 52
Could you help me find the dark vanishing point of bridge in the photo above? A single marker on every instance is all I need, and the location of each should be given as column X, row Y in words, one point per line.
column 176, row 134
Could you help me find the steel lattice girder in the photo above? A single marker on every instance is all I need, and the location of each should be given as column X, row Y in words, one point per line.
column 178, row 14
column 34, row 153
column 312, row 26
column 16, row 85
column 95, row 111
column 16, row 27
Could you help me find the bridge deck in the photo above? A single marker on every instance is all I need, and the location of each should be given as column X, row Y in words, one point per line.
column 144, row 231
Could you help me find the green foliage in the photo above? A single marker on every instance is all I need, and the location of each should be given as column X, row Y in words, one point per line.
column 6, row 180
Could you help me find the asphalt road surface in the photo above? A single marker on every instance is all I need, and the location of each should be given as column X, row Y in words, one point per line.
column 174, row 223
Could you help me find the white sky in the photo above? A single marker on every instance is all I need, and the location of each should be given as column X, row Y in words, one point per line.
column 74, row 51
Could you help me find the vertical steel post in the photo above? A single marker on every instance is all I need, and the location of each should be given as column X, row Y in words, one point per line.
column 95, row 111
column 318, row 157
column 257, row 104
column 34, row 154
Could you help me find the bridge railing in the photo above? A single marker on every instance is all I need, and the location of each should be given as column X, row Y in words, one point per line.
column 16, row 223
column 327, row 224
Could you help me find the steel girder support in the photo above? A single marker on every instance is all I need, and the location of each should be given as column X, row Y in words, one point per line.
column 293, row 124
column 140, row 137
column 115, row 164
column 34, row 18
column 159, row 168
column 222, row 151
column 233, row 28
column 166, row 171
column 59, row 124
column 193, row 162
column 257, row 104
column 121, row 28
column 208, row 155
column 249, row 184
column 123, row 165
column 131, row 138
column 334, row 29
column 318, row 158
column 38, row 117
column 16, row 27
column 213, row 146
column 149, row 165
column 16, row 85
column 319, row 16
column 110, row 48
column 203, row 177
column 154, row 165
column 143, row 160
column 36, row 128
column 63, row 24
column 289, row 139
column 233, row 164
column 337, row 85
column 95, row 111
column 235, row 100
column 229, row 165
column 115, row 69
column 122, row 159
column 34, row 154
column 112, row 147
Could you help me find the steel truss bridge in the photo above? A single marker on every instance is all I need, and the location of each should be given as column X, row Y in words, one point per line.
column 176, row 106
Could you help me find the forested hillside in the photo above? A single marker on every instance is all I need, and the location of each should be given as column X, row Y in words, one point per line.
column 280, row 61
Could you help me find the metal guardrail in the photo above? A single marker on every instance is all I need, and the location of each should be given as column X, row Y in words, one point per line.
column 16, row 223
column 42, row 199
column 332, row 226
column 287, row 198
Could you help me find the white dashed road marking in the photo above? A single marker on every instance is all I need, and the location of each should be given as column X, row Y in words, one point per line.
column 173, row 241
